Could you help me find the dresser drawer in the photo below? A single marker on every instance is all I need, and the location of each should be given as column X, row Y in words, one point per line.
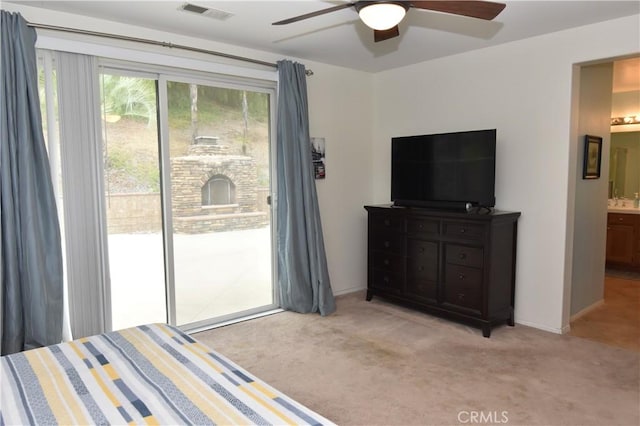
column 463, row 287
column 422, row 269
column 459, row 275
column 390, row 243
column 386, row 221
column 621, row 219
column 463, row 229
column 464, row 255
column 388, row 262
column 422, row 226
column 423, row 289
column 387, row 281
column 421, row 249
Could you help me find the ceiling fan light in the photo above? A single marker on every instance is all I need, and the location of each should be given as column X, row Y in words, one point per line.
column 382, row 16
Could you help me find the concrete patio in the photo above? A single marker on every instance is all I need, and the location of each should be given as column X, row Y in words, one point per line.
column 216, row 274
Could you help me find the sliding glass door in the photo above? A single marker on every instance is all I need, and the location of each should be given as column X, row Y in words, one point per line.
column 187, row 178
column 219, row 175
column 133, row 198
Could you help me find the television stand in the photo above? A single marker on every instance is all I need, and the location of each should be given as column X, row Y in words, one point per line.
column 458, row 265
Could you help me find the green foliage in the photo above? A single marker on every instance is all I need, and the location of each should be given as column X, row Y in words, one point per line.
column 214, row 103
column 141, row 172
column 131, row 157
column 129, row 96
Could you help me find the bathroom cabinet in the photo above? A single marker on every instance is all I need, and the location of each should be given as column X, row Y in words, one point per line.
column 456, row 265
column 623, row 241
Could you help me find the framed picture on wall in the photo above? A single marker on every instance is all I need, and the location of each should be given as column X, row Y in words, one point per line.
column 592, row 157
column 318, row 154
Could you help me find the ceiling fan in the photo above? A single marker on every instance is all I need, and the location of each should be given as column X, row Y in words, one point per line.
column 383, row 16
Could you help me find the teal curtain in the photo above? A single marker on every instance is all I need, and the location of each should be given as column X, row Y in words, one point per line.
column 31, row 289
column 304, row 284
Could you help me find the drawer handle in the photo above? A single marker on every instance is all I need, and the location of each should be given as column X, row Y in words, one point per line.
column 461, row 277
column 460, row 296
column 620, row 219
column 421, row 249
column 421, row 226
column 386, row 261
column 463, row 230
column 385, row 279
column 387, row 244
column 387, row 222
column 421, row 268
column 462, row 255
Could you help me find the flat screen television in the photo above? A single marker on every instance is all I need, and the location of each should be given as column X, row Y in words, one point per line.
column 446, row 170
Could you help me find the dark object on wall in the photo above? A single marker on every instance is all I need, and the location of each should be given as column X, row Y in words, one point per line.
column 317, row 156
column 592, row 157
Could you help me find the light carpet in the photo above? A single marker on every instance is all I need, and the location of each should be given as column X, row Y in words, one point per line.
column 374, row 363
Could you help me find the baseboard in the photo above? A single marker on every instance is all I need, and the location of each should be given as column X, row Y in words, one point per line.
column 349, row 290
column 586, row 310
column 541, row 327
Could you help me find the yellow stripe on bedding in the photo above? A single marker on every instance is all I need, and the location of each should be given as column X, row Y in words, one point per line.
column 62, row 401
column 96, row 376
column 196, row 348
column 216, row 408
column 250, row 389
column 262, row 389
column 76, row 348
column 202, row 352
column 151, row 421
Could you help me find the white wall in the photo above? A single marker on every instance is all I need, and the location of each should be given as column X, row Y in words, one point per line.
column 524, row 89
column 340, row 109
column 594, row 118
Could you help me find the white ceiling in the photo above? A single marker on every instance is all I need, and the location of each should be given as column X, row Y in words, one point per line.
column 339, row 38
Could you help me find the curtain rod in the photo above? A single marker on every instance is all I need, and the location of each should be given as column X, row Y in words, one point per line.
column 156, row 43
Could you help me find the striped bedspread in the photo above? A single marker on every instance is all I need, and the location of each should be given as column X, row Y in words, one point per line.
column 153, row 374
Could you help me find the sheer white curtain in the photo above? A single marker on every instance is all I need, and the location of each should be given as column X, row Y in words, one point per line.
column 82, row 188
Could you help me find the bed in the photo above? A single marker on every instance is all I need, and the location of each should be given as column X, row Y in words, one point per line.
column 151, row 374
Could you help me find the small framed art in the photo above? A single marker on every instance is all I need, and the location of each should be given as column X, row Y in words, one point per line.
column 592, row 157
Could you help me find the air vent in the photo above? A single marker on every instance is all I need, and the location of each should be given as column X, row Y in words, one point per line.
column 220, row 15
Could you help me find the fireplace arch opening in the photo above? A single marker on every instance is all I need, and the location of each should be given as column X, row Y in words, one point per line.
column 219, row 190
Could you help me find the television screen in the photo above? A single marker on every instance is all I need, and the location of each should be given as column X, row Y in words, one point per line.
column 444, row 170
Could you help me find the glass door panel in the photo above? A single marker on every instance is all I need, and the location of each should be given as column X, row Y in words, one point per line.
column 133, row 200
column 220, row 167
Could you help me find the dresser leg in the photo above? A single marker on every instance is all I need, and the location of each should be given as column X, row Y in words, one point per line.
column 369, row 295
column 486, row 331
column 511, row 321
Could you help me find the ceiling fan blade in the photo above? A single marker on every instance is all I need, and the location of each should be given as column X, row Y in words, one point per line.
column 312, row 14
column 475, row 9
column 381, row 35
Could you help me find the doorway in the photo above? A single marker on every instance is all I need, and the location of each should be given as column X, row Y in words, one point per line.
column 604, row 303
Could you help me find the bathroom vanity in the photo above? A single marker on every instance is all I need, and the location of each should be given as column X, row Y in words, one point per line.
column 623, row 238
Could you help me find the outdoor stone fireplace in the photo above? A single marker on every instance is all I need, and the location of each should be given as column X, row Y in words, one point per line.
column 213, row 190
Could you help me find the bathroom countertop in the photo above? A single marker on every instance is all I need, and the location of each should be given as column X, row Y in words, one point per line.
column 628, row 209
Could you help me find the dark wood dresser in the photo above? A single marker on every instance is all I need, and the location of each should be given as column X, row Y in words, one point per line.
column 453, row 264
